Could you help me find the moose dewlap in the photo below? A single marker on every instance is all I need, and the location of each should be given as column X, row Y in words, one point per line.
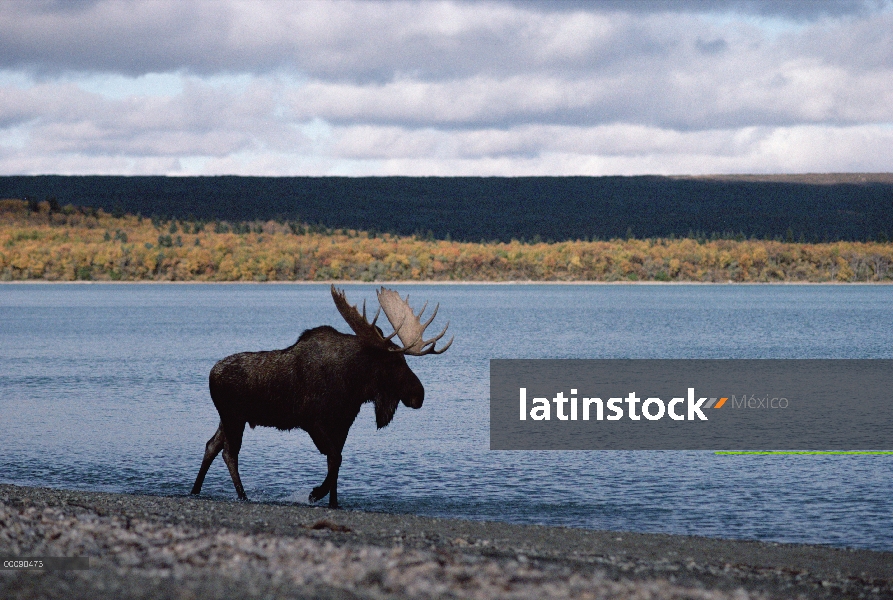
column 319, row 383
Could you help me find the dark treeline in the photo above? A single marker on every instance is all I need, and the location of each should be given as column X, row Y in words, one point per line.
column 496, row 208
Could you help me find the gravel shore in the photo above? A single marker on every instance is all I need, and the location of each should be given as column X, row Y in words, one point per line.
column 183, row 547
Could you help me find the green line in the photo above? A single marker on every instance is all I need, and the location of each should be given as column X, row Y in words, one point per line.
column 820, row 452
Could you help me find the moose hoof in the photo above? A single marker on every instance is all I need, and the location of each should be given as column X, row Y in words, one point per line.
column 317, row 494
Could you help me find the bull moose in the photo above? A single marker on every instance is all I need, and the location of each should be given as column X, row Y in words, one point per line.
column 319, row 383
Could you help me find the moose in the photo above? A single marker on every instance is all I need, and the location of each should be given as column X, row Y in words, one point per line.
column 319, row 383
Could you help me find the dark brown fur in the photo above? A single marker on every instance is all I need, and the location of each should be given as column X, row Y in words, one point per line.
column 317, row 385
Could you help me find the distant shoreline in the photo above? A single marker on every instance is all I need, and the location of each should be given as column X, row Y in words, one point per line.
column 463, row 283
column 41, row 242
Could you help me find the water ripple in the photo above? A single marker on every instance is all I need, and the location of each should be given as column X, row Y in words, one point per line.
column 105, row 388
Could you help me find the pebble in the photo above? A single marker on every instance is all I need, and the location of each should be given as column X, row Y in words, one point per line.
column 175, row 552
column 142, row 547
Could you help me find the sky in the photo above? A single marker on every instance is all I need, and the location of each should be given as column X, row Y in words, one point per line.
column 446, row 88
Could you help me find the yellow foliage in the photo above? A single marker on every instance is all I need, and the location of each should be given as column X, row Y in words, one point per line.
column 54, row 246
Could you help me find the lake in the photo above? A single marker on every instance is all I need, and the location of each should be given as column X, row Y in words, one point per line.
column 104, row 387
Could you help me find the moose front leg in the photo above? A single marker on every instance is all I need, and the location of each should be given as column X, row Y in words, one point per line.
column 330, row 443
column 330, row 483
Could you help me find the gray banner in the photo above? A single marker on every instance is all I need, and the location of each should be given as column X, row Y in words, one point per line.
column 691, row 404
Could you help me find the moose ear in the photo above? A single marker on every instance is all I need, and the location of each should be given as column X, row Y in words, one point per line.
column 384, row 410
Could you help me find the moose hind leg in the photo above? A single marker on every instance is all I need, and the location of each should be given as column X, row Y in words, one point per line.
column 231, row 447
column 212, row 449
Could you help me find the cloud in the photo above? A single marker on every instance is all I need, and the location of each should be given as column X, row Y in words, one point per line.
column 490, row 87
column 778, row 8
column 360, row 40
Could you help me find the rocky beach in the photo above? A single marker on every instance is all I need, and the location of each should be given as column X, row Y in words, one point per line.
column 183, row 547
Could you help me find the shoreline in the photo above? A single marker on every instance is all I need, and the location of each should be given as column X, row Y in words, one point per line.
column 339, row 282
column 158, row 546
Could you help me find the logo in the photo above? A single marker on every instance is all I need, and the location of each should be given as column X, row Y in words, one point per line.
column 652, row 409
column 679, row 404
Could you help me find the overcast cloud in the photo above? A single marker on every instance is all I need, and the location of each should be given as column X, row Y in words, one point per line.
column 445, row 88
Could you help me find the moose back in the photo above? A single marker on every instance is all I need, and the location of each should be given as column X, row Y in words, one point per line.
column 319, row 384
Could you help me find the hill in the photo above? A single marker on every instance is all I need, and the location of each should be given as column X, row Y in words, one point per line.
column 801, row 208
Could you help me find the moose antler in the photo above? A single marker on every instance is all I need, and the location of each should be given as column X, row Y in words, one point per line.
column 365, row 330
column 408, row 326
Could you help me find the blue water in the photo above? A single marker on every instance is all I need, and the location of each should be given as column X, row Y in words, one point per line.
column 104, row 387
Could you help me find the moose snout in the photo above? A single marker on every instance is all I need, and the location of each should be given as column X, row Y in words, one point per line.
column 413, row 393
column 410, row 390
column 415, row 401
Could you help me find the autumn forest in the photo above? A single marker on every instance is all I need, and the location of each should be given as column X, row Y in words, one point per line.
column 39, row 241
